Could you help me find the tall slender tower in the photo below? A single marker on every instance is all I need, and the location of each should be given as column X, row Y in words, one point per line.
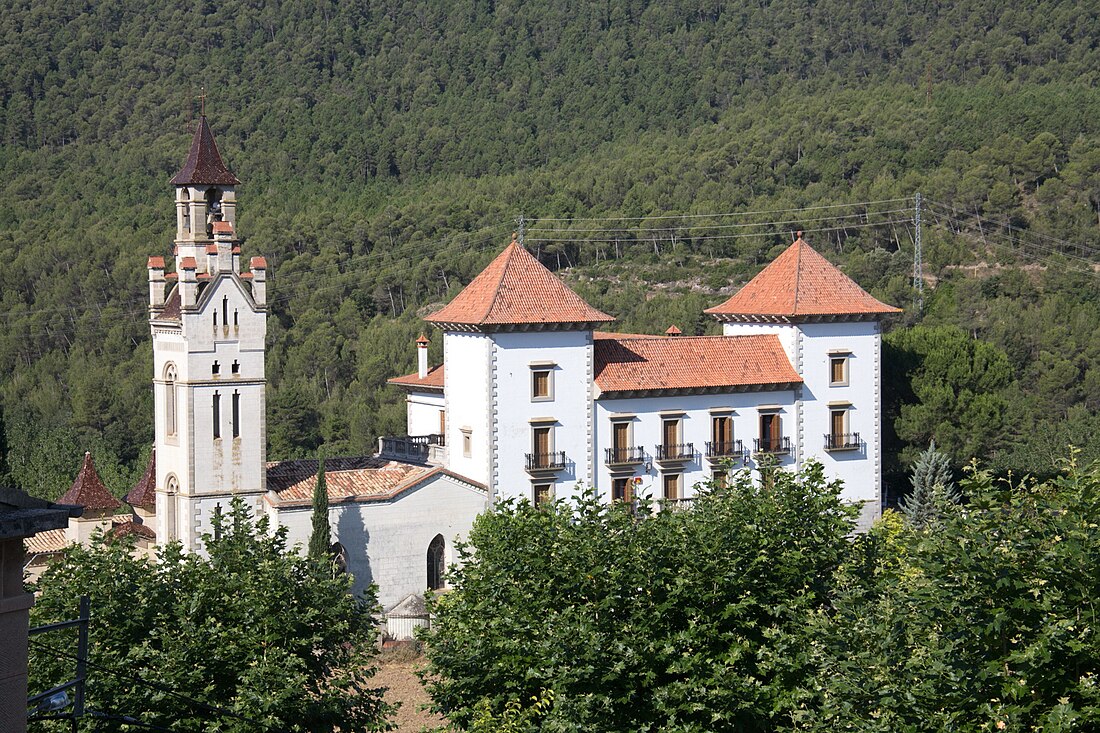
column 208, row 322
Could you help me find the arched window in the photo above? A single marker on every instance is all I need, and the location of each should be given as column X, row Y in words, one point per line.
column 170, row 399
column 172, row 488
column 436, row 563
column 186, row 199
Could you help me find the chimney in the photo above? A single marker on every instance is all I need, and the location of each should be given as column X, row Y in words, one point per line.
column 258, row 265
column 189, row 285
column 673, row 331
column 156, row 281
column 422, row 356
column 223, row 240
column 212, row 259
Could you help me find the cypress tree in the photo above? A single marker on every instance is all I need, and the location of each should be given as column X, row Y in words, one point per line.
column 321, row 539
column 932, row 487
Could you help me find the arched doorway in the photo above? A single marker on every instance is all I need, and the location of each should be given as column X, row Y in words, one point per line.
column 436, row 564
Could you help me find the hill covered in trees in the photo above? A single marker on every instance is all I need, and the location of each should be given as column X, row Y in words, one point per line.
column 386, row 150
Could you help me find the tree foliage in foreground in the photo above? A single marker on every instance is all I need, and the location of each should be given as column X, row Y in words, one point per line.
column 254, row 629
column 689, row 620
column 753, row 611
column 986, row 621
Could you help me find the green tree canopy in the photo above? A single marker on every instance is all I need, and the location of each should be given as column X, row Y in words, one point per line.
column 250, row 627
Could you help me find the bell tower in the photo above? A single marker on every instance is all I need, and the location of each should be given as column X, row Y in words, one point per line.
column 208, row 322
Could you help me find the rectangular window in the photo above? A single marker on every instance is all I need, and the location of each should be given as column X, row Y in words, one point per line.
column 837, row 424
column 541, row 388
column 170, row 408
column 672, row 486
column 217, row 415
column 467, row 443
column 670, row 432
column 540, row 444
column 620, row 442
column 236, row 414
column 770, row 432
column 542, row 493
column 720, row 478
column 622, row 489
column 838, row 371
column 722, row 434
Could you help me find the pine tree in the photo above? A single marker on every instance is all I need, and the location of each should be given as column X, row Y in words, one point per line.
column 321, row 538
column 932, row 488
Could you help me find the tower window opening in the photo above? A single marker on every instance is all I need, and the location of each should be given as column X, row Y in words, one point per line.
column 215, row 319
column 236, row 414
column 215, row 368
column 236, row 319
column 170, row 400
column 225, row 310
column 217, row 417
column 435, row 563
column 235, row 367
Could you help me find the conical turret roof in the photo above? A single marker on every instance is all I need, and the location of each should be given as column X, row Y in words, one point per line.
column 144, row 493
column 801, row 283
column 88, row 490
column 517, row 290
column 204, row 166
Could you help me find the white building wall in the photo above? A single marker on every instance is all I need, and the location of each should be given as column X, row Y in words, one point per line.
column 468, row 357
column 695, row 412
column 786, row 333
column 860, row 342
column 422, row 409
column 569, row 409
column 387, row 541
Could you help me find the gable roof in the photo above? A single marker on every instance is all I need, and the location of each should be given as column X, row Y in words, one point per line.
column 348, row 480
column 204, row 164
column 432, row 381
column 801, row 283
column 88, row 490
column 631, row 364
column 516, row 290
column 144, row 493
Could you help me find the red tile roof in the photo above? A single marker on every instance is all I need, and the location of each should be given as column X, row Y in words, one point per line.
column 172, row 307
column 128, row 527
column 432, row 381
column 156, row 263
column 188, row 263
column 204, row 164
column 223, row 227
column 42, row 543
column 515, row 289
column 88, row 490
column 356, row 479
column 647, row 363
column 144, row 493
column 257, row 263
column 800, row 282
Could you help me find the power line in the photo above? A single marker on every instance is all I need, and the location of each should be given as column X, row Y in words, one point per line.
column 206, row 707
column 758, row 235
column 718, row 216
column 858, row 214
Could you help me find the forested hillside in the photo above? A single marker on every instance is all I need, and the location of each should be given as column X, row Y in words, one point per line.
column 386, row 150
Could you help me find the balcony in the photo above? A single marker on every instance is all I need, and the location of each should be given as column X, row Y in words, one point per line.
column 719, row 450
column 775, row 447
column 675, row 452
column 545, row 462
column 411, row 448
column 628, row 456
column 842, row 441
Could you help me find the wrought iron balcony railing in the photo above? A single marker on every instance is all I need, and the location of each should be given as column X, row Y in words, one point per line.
column 676, row 452
column 777, row 446
column 734, row 449
column 554, row 461
column 625, row 456
column 842, row 441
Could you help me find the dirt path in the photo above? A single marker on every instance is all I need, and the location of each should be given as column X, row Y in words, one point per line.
column 404, row 687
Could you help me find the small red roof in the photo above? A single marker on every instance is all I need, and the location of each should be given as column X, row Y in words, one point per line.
column 144, row 493
column 432, row 381
column 130, row 527
column 88, row 490
column 204, row 164
column 640, row 364
column 211, row 249
column 673, row 331
column 188, row 263
column 223, row 227
column 800, row 282
column 257, row 263
column 156, row 263
column 516, row 289
column 422, row 341
column 354, row 479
